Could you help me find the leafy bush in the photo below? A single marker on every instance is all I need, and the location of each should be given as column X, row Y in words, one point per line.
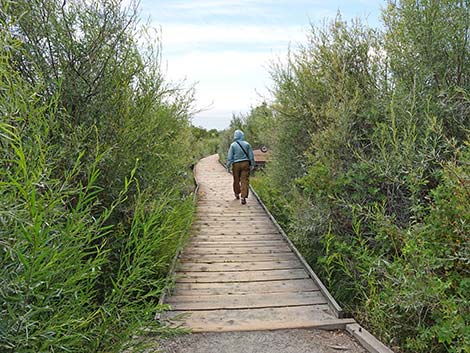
column 257, row 126
column 95, row 179
column 370, row 169
column 204, row 142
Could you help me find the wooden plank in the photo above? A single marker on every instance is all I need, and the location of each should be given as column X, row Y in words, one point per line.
column 213, row 231
column 296, row 285
column 216, row 230
column 248, row 212
column 198, row 216
column 236, row 244
column 250, row 234
column 239, row 266
column 237, row 257
column 245, row 301
column 235, row 239
column 205, row 203
column 228, row 214
column 231, row 238
column 240, row 276
column 230, row 200
column 233, row 250
column 239, row 215
column 234, row 218
column 318, row 316
column 366, row 339
column 234, row 208
column 241, row 220
column 208, row 201
column 241, row 224
column 226, row 210
column 236, row 213
column 231, row 222
column 224, row 230
column 246, row 247
column 242, row 240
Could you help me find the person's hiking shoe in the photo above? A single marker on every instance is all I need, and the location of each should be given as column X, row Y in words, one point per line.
column 243, row 201
column 237, row 196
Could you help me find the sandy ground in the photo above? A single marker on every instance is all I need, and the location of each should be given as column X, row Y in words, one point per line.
column 282, row 341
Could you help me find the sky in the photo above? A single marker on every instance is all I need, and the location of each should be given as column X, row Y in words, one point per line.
column 225, row 48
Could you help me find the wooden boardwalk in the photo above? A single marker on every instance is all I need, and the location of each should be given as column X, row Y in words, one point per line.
column 238, row 272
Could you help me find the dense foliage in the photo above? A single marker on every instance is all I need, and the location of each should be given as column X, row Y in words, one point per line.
column 257, row 126
column 371, row 168
column 94, row 180
column 204, row 142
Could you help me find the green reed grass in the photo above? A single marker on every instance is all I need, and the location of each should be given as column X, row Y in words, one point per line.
column 94, row 180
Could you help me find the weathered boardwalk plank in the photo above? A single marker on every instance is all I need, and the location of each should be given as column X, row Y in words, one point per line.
column 237, row 271
column 262, row 319
column 240, row 276
column 291, row 286
column 236, row 244
column 239, row 266
column 245, row 301
column 237, row 258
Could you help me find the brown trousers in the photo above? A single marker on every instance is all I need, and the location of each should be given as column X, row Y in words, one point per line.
column 241, row 178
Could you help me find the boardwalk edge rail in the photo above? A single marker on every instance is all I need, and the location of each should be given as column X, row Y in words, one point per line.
column 174, row 262
column 366, row 339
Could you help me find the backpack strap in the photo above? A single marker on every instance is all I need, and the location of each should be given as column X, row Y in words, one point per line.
column 246, row 154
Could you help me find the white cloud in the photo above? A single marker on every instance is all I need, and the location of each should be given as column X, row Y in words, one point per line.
column 229, row 63
column 226, row 78
column 220, row 7
column 226, row 46
column 227, row 82
column 210, row 4
column 176, row 34
column 213, row 119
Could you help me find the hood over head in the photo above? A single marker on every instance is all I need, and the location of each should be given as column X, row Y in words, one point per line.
column 238, row 135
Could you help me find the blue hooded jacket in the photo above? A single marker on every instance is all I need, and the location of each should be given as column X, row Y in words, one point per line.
column 236, row 154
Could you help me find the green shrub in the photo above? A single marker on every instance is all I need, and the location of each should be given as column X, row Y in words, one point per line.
column 95, row 181
column 369, row 175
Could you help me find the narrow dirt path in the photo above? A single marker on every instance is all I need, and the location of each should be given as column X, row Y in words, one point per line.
column 282, row 341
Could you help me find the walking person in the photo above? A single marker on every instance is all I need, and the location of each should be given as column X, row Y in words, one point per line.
column 241, row 158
